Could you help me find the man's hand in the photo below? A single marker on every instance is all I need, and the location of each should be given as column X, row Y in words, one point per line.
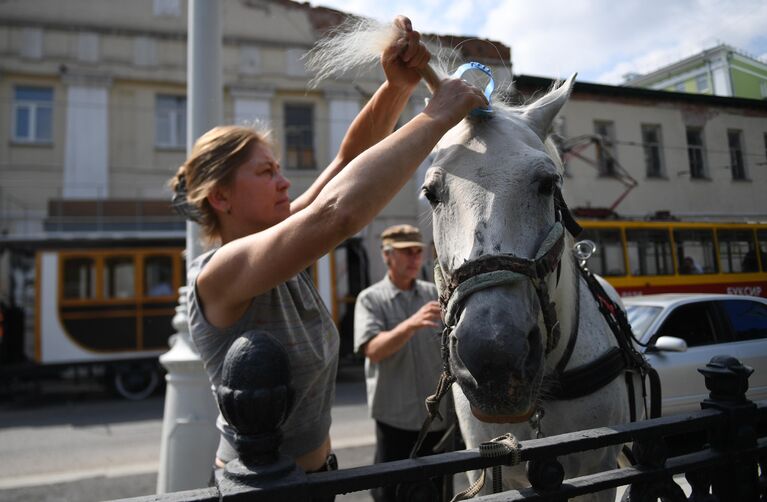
column 402, row 59
column 427, row 316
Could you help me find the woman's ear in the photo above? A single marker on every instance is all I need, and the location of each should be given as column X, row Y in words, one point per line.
column 219, row 200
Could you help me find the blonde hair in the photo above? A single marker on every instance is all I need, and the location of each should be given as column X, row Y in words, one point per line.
column 215, row 157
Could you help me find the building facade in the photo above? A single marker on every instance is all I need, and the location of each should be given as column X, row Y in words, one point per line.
column 94, row 106
column 719, row 71
column 640, row 152
column 94, row 120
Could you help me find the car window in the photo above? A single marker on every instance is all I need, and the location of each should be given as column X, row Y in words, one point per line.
column 695, row 323
column 640, row 317
column 748, row 319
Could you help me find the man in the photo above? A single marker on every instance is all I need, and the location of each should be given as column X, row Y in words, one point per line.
column 397, row 326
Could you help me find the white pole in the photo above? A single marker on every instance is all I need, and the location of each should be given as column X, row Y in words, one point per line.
column 189, row 436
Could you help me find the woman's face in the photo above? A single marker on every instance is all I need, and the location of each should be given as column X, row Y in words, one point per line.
column 259, row 195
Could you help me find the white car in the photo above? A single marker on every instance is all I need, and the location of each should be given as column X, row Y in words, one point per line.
column 683, row 333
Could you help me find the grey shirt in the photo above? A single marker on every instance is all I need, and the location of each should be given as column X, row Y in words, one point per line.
column 294, row 314
column 398, row 385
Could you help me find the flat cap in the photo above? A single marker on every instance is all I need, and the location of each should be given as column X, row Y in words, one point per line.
column 401, row 236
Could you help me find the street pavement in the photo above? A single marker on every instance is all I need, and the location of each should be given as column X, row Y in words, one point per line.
column 74, row 442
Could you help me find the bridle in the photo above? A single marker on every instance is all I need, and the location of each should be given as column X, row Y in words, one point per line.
column 505, row 269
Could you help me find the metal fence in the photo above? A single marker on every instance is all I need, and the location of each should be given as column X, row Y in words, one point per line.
column 725, row 447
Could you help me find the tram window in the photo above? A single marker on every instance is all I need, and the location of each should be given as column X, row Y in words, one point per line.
column 695, row 251
column 119, row 277
column 79, row 278
column 608, row 258
column 761, row 236
column 158, row 276
column 737, row 252
column 649, row 252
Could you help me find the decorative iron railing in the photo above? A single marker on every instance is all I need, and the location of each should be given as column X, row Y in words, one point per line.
column 724, row 465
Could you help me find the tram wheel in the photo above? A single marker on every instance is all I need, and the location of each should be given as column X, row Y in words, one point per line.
column 135, row 381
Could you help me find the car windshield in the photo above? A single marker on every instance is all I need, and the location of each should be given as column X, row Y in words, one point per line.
column 640, row 317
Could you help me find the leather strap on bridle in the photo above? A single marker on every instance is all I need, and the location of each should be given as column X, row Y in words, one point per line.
column 502, row 269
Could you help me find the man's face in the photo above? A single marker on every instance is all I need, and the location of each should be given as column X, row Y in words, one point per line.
column 405, row 263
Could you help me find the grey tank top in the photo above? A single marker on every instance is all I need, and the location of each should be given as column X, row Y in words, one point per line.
column 294, row 314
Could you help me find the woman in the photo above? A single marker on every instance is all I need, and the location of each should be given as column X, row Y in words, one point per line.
column 235, row 189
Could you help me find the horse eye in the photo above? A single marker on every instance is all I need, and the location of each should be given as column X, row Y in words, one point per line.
column 547, row 184
column 430, row 195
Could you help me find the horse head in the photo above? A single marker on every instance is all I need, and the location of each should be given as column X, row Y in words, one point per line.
column 493, row 187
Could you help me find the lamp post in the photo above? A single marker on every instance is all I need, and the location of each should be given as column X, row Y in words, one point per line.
column 189, row 435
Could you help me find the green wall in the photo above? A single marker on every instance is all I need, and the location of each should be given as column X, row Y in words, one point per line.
column 747, row 85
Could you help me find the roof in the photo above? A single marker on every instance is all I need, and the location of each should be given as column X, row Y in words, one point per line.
column 323, row 19
column 531, row 83
column 677, row 67
column 670, row 299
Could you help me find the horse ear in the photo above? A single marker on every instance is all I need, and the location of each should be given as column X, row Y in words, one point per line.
column 541, row 114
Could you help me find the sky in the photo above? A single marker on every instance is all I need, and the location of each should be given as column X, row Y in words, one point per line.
column 601, row 40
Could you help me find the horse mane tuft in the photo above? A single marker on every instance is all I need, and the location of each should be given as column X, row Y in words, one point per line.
column 353, row 46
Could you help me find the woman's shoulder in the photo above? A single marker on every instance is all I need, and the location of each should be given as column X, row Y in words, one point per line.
column 198, row 263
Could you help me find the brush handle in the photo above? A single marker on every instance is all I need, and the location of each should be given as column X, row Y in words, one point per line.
column 430, row 77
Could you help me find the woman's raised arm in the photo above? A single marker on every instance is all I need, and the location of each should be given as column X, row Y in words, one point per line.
column 402, row 61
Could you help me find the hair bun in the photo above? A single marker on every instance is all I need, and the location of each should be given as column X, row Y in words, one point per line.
column 180, row 203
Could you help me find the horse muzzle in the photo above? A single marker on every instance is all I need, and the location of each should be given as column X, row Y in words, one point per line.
column 498, row 365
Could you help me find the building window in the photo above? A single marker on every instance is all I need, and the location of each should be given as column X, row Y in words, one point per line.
column 299, row 136
column 605, row 147
column 696, row 153
column 679, row 87
column 734, row 141
column 170, row 8
column 170, row 121
column 33, row 114
column 653, row 150
column 702, row 83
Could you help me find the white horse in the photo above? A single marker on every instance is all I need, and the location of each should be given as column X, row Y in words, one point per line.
column 492, row 188
column 512, row 293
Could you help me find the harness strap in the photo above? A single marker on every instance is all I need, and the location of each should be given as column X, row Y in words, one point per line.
column 498, row 447
column 619, row 325
column 571, row 225
column 432, row 407
column 590, row 377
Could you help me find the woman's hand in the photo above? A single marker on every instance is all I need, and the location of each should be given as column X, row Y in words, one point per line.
column 453, row 101
column 405, row 56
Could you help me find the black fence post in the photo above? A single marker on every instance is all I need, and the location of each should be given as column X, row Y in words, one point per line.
column 255, row 397
column 727, row 381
